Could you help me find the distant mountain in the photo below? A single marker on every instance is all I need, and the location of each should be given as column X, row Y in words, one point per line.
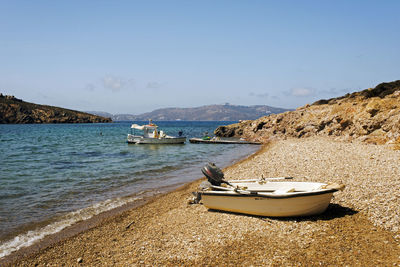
column 124, row 117
column 14, row 110
column 116, row 117
column 225, row 112
column 100, row 113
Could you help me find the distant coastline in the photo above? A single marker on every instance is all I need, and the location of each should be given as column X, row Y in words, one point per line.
column 17, row 111
column 225, row 112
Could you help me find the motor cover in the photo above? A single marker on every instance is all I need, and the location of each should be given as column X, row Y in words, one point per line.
column 214, row 174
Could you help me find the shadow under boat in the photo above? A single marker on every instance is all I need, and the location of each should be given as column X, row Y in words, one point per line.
column 333, row 211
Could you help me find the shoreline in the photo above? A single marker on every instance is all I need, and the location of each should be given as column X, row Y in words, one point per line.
column 166, row 230
column 95, row 221
column 76, row 229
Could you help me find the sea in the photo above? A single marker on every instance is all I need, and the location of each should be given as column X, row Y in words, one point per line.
column 55, row 175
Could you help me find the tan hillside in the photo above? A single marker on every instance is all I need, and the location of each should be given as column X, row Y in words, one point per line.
column 371, row 115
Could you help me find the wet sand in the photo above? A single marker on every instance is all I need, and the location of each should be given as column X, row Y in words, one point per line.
column 359, row 228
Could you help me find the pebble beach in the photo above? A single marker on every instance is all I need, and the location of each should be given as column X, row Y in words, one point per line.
column 359, row 228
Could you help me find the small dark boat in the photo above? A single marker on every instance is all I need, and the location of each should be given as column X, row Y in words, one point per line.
column 218, row 140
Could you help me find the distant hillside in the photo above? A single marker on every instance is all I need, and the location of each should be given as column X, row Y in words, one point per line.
column 204, row 113
column 116, row 117
column 101, row 114
column 124, row 117
column 371, row 115
column 14, row 110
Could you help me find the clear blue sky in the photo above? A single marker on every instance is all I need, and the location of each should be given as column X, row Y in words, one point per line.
column 136, row 56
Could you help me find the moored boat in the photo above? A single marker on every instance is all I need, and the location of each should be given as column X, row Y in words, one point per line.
column 271, row 197
column 218, row 140
column 151, row 135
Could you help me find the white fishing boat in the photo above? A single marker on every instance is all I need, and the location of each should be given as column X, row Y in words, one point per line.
column 151, row 135
column 271, row 197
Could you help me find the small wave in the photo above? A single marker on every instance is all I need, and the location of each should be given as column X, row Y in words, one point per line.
column 92, row 154
column 157, row 170
column 31, row 237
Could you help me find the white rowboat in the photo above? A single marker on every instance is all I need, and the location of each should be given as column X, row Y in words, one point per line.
column 265, row 197
column 272, row 199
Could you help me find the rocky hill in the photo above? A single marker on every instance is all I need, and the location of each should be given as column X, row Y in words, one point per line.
column 225, row 112
column 371, row 115
column 14, row 110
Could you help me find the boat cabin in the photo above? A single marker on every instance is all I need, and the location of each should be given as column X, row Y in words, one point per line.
column 149, row 130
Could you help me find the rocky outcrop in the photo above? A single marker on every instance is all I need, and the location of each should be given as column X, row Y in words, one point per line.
column 13, row 110
column 372, row 115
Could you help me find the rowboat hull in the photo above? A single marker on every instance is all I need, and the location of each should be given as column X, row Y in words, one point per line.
column 262, row 205
column 270, row 198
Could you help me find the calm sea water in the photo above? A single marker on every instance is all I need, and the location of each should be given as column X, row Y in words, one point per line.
column 53, row 175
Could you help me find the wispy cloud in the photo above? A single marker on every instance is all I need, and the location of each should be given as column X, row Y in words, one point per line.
column 299, row 92
column 262, row 95
column 153, row 85
column 116, row 84
column 113, row 83
column 90, row 87
column 334, row 92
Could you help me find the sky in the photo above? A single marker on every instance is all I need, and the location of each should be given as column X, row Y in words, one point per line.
column 136, row 56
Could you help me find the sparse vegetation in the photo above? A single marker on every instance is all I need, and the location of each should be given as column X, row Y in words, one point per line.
column 14, row 110
column 371, row 115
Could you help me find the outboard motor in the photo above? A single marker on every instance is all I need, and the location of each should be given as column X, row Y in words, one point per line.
column 214, row 174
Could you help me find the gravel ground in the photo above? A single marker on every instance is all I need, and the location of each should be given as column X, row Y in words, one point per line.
column 359, row 228
column 371, row 173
